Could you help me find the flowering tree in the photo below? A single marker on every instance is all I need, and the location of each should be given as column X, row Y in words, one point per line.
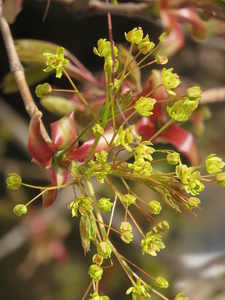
column 125, row 118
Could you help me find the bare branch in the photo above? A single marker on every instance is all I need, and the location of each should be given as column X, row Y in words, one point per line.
column 16, row 67
column 213, row 95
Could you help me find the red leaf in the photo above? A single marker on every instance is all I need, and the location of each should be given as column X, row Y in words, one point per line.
column 190, row 15
column 183, row 140
column 58, row 176
column 175, row 39
column 64, row 132
column 41, row 148
column 49, row 198
column 82, row 152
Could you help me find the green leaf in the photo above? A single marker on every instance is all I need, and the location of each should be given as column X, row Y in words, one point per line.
column 33, row 76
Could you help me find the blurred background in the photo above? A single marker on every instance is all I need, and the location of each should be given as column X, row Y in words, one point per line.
column 40, row 254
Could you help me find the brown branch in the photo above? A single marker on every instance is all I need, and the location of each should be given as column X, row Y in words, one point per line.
column 16, row 67
column 213, row 95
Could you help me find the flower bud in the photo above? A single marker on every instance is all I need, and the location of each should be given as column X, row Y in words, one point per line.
column 180, row 297
column 191, row 203
column 97, row 130
column 127, row 237
column 220, row 179
column 170, row 80
column 95, row 272
column 145, row 46
column 14, row 181
column 109, row 64
column 154, row 207
column 128, row 199
column 194, row 93
column 173, row 158
column 104, row 249
column 161, row 59
column 96, row 296
column 104, row 204
column 214, row 164
column 134, row 36
column 20, row 209
column 97, row 259
column 163, row 36
column 162, row 226
column 145, row 105
column 161, row 282
column 125, row 226
column 43, row 90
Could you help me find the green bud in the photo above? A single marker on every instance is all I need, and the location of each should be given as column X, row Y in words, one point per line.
column 170, row 80
column 125, row 226
column 14, row 181
column 127, row 237
column 144, row 151
column 173, row 158
column 214, row 164
column 141, row 167
column 43, row 90
column 96, row 296
column 104, row 49
column 97, row 130
column 104, row 204
column 191, row 203
column 97, row 259
column 20, row 209
column 104, row 249
column 161, row 59
column 162, row 226
column 163, row 36
column 134, row 36
column 128, row 199
column 181, row 110
column 154, row 207
column 108, row 66
column 194, row 93
column 220, row 179
column 145, row 46
column 95, row 272
column 144, row 106
column 180, row 297
column 161, row 282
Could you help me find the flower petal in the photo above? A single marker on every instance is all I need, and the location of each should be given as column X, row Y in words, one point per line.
column 64, row 132
column 40, row 147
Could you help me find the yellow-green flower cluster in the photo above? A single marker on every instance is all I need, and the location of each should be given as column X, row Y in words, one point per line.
column 83, row 204
column 126, row 230
column 190, row 179
column 55, row 61
column 139, row 291
column 105, row 50
column 170, row 80
column 126, row 137
column 182, row 109
column 152, row 243
column 99, row 168
column 144, row 106
column 214, row 164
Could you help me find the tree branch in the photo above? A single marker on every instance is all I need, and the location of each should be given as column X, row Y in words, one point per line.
column 16, row 68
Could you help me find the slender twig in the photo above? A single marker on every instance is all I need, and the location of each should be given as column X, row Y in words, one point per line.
column 16, row 68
